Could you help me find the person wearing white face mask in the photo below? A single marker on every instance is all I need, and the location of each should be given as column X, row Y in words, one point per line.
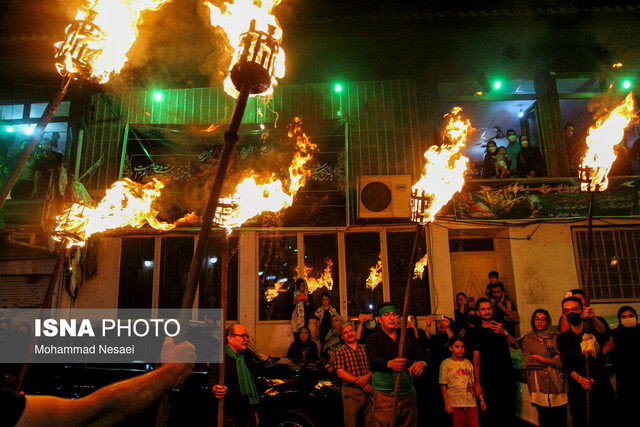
column 513, row 149
column 529, row 160
column 489, row 168
column 625, row 348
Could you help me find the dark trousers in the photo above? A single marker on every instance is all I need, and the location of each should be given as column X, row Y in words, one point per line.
column 602, row 410
column 357, row 410
column 552, row 416
column 407, row 415
column 501, row 399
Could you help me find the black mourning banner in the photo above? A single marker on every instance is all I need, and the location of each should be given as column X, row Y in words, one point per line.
column 185, row 158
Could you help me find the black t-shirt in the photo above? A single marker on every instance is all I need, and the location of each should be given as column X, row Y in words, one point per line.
column 11, row 406
column 495, row 359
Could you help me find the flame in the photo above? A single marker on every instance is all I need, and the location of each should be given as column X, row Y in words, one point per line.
column 445, row 167
column 118, row 21
column 418, row 271
column 235, row 20
column 375, row 275
column 190, row 218
column 325, row 280
column 601, row 139
column 126, row 203
column 255, row 195
column 271, row 294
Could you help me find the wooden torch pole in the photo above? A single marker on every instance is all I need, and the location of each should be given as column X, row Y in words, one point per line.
column 403, row 326
column 230, row 139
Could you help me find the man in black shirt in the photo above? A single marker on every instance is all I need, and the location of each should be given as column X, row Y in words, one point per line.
column 494, row 380
column 573, row 362
column 382, row 348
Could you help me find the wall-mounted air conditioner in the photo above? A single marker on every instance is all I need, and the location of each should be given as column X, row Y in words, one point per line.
column 384, row 196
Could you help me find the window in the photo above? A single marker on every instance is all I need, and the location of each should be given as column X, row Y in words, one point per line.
column 38, row 109
column 277, row 262
column 362, row 254
column 615, row 262
column 210, row 278
column 492, row 120
column 137, row 269
column 136, row 273
column 174, row 271
column 11, row 112
column 399, row 247
column 321, row 267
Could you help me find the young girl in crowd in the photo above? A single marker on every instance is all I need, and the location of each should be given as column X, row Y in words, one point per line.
column 456, row 385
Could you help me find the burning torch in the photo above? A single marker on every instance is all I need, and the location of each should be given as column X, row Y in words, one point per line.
column 74, row 57
column 593, row 178
column 251, row 74
column 442, row 177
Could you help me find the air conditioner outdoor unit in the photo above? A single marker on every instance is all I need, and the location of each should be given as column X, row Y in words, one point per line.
column 384, row 196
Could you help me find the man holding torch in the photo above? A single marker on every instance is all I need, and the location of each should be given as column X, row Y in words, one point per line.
column 382, row 348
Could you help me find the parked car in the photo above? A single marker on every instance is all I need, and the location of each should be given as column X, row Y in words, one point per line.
column 292, row 393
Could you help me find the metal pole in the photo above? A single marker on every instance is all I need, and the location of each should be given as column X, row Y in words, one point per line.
column 230, row 138
column 587, row 297
column 35, row 138
column 223, row 305
column 403, row 325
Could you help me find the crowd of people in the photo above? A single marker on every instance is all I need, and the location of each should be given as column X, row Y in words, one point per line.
column 459, row 371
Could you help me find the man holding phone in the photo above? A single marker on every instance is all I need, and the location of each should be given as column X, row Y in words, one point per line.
column 494, row 380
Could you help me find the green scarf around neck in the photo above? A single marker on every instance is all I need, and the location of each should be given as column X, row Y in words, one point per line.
column 245, row 380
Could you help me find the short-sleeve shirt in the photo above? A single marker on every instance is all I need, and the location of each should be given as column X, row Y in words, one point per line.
column 458, row 377
column 11, row 406
column 355, row 362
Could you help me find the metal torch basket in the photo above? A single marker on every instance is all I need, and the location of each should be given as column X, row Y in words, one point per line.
column 257, row 59
column 584, row 180
column 69, row 228
column 420, row 203
column 82, row 44
column 225, row 208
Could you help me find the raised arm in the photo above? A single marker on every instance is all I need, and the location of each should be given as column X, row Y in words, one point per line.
column 115, row 403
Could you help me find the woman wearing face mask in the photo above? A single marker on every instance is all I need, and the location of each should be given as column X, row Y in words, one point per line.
column 489, row 168
column 626, row 350
column 545, row 379
column 530, row 161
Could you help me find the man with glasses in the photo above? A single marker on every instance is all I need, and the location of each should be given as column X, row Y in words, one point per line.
column 239, row 391
column 382, row 348
column 570, row 346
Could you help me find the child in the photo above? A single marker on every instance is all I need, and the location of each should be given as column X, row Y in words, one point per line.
column 502, row 163
column 456, row 385
column 300, row 316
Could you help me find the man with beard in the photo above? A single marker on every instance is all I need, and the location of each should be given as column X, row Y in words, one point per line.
column 489, row 344
column 570, row 345
column 382, row 348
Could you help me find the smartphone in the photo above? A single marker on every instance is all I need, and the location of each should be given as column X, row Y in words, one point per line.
column 438, row 317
